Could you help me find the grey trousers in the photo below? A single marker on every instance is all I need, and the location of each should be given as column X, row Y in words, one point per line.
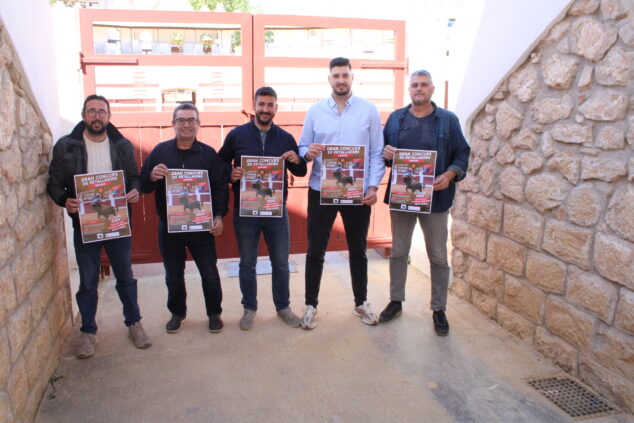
column 434, row 228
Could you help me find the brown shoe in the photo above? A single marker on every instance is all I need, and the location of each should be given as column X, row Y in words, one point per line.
column 138, row 336
column 86, row 345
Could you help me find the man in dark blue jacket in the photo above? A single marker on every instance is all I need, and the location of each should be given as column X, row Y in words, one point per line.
column 424, row 126
column 95, row 146
column 186, row 152
column 262, row 137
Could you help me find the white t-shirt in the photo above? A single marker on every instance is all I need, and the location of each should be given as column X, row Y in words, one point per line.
column 98, row 156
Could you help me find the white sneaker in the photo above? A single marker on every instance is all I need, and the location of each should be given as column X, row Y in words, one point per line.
column 308, row 319
column 366, row 314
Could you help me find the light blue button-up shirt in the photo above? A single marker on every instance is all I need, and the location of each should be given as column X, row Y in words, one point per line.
column 359, row 124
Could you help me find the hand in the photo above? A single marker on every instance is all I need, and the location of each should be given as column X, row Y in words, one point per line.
column 441, row 182
column 388, row 152
column 291, row 156
column 314, row 150
column 159, row 172
column 237, row 174
column 217, row 227
column 72, row 205
column 370, row 196
column 132, row 196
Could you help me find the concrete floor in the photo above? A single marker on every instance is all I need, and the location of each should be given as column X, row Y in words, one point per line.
column 342, row 371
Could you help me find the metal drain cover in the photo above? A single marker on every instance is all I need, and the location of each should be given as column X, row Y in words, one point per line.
column 573, row 398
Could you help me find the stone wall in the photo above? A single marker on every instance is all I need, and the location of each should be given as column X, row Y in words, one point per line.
column 543, row 229
column 34, row 287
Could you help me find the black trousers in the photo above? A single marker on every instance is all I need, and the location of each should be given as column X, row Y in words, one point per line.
column 356, row 221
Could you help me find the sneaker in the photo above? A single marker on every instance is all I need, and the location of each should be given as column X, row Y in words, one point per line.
column 174, row 324
column 289, row 317
column 391, row 312
column 246, row 323
column 308, row 320
column 215, row 323
column 364, row 311
column 138, row 336
column 86, row 345
column 441, row 325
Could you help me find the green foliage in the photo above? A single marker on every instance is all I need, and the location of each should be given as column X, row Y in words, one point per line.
column 229, row 5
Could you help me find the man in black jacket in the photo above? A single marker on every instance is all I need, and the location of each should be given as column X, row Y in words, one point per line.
column 95, row 145
column 186, row 152
column 262, row 138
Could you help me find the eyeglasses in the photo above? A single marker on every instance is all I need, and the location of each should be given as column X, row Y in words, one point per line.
column 182, row 121
column 93, row 112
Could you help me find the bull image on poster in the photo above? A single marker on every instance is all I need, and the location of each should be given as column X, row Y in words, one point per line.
column 412, row 186
column 103, row 211
column 188, row 201
column 262, row 187
column 342, row 174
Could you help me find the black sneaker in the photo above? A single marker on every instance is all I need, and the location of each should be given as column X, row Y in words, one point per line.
column 441, row 325
column 174, row 324
column 215, row 323
column 392, row 311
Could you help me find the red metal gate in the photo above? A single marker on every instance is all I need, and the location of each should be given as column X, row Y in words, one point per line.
column 146, row 62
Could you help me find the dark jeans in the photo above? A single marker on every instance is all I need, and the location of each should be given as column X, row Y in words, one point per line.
column 88, row 261
column 202, row 247
column 356, row 221
column 277, row 237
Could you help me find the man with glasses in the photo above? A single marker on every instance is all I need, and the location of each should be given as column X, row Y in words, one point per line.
column 186, row 152
column 94, row 146
column 262, row 138
column 422, row 125
column 341, row 119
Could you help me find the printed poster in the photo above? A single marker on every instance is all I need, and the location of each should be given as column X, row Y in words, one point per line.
column 103, row 210
column 342, row 174
column 188, row 201
column 412, row 187
column 262, row 187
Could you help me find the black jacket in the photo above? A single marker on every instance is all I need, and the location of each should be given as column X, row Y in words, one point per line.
column 199, row 156
column 70, row 159
column 245, row 140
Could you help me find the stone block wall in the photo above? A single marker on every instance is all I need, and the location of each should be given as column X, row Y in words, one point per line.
column 543, row 231
column 34, row 288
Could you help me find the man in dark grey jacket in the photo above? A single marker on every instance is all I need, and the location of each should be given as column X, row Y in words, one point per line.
column 95, row 145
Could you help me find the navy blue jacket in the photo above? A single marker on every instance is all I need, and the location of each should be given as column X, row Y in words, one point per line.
column 451, row 146
column 199, row 156
column 245, row 140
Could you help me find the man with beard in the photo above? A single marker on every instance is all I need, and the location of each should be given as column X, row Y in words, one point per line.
column 342, row 119
column 262, row 137
column 95, row 145
column 424, row 126
column 186, row 152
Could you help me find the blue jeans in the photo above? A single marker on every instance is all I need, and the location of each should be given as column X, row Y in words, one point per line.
column 88, row 261
column 202, row 247
column 277, row 236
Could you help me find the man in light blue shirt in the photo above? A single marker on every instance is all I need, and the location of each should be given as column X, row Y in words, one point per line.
column 341, row 119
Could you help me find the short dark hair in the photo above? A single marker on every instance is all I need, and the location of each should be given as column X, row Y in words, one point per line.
column 265, row 91
column 95, row 97
column 185, row 106
column 340, row 61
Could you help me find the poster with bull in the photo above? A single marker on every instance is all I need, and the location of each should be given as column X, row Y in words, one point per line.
column 103, row 211
column 188, row 201
column 262, row 187
column 342, row 174
column 413, row 173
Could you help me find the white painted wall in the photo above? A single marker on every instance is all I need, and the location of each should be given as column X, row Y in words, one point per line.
column 30, row 25
column 486, row 53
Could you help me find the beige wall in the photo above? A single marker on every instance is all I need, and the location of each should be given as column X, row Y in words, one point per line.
column 543, row 229
column 34, row 287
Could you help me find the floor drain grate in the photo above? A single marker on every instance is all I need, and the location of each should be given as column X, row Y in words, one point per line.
column 572, row 397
